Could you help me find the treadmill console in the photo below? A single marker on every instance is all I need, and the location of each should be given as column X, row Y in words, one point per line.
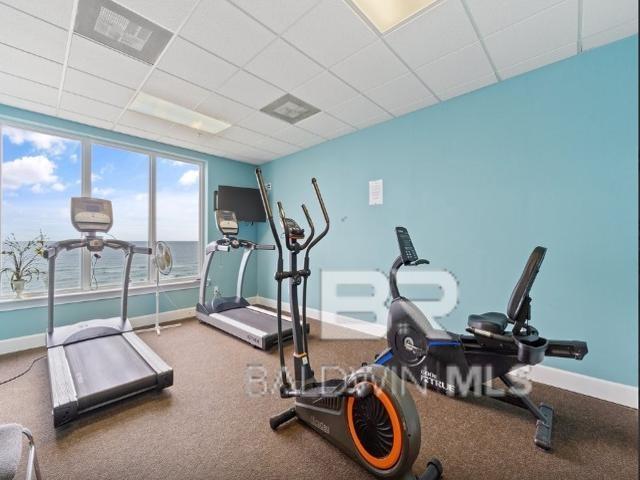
column 227, row 223
column 91, row 214
column 407, row 251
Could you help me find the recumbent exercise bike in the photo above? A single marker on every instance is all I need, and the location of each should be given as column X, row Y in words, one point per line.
column 423, row 352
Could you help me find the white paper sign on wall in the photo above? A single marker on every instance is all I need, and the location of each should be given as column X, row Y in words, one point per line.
column 375, row 192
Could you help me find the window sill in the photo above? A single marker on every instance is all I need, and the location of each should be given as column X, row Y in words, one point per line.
column 40, row 300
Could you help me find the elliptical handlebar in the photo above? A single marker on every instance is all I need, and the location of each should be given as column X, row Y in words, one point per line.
column 314, row 182
column 267, row 208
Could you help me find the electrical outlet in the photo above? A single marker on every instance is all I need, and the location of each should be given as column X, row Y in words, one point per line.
column 268, row 186
column 216, row 292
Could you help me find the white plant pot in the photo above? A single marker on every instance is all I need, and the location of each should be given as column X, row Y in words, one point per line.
column 18, row 287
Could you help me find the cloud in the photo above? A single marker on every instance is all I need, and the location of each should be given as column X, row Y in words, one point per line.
column 59, row 187
column 174, row 163
column 103, row 192
column 39, row 141
column 189, row 178
column 33, row 171
column 95, row 177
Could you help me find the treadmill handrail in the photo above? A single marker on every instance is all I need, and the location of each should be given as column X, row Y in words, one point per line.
column 216, row 246
column 53, row 249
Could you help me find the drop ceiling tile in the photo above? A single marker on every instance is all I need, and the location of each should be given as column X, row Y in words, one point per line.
column 283, row 66
column 330, row 32
column 168, row 13
column 599, row 15
column 278, row 147
column 455, row 69
column 540, row 61
column 103, row 62
column 173, row 89
column 85, row 119
column 145, row 122
column 28, row 90
column 358, row 111
column 324, row 125
column 136, row 132
column 400, row 93
column 442, row 29
column 18, row 31
column 263, row 123
column 222, row 108
column 176, row 142
column 324, row 91
column 223, row 144
column 278, row 15
column 57, row 12
column 493, row 15
column 370, row 67
column 87, row 85
column 190, row 62
column 25, row 65
column 427, row 102
column 607, row 36
column 250, row 90
column 469, row 87
column 78, row 104
column 298, row 136
column 242, row 135
column 548, row 30
column 191, row 135
column 26, row 104
column 225, row 30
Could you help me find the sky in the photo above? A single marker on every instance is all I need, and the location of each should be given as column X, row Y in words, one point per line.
column 40, row 173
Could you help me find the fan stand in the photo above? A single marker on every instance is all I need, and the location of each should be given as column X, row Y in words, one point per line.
column 158, row 328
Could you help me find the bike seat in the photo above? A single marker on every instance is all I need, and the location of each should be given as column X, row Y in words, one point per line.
column 493, row 322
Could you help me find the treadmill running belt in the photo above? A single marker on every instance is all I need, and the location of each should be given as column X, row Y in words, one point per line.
column 263, row 322
column 106, row 368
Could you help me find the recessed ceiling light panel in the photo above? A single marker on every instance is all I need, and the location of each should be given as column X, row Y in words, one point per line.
column 117, row 27
column 386, row 14
column 290, row 109
column 157, row 107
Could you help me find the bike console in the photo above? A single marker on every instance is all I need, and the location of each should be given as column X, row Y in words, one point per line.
column 407, row 250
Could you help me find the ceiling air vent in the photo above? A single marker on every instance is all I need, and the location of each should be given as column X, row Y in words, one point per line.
column 290, row 109
column 111, row 24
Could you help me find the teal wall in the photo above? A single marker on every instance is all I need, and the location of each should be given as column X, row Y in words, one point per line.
column 218, row 171
column 548, row 158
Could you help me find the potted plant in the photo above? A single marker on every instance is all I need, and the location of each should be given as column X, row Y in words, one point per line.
column 23, row 260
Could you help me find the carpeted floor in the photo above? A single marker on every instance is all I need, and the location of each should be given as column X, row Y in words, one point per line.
column 207, row 427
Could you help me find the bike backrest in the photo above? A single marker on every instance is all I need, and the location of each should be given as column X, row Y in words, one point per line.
column 523, row 287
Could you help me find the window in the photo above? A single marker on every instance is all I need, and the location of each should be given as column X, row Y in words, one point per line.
column 40, row 172
column 178, row 213
column 122, row 176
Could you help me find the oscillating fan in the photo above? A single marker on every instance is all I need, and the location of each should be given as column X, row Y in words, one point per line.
column 163, row 261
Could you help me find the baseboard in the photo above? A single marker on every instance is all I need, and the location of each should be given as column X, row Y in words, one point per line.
column 28, row 342
column 574, row 382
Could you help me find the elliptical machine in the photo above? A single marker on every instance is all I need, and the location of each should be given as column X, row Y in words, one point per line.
column 368, row 415
column 422, row 351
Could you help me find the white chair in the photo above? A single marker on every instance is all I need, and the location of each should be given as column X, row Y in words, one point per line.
column 11, row 437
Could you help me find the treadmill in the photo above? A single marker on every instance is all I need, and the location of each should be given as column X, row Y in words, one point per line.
column 97, row 362
column 234, row 315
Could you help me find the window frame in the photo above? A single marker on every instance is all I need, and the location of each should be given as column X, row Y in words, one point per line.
column 84, row 292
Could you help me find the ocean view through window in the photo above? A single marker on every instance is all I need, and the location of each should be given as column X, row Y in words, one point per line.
column 39, row 173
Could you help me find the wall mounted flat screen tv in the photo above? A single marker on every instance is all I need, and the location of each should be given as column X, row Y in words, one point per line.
column 245, row 202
